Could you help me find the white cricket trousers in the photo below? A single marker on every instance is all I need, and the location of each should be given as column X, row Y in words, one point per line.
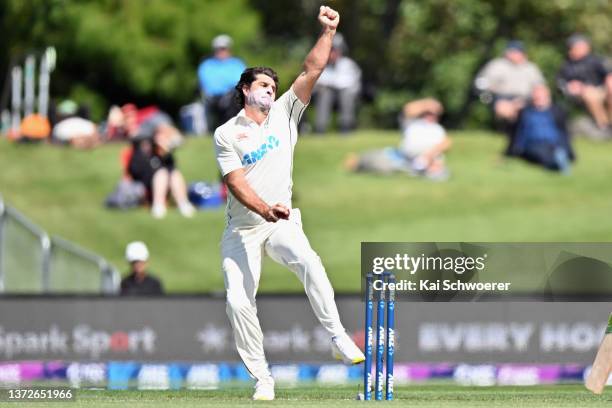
column 241, row 253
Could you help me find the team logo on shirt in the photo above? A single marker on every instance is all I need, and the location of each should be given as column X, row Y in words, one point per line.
column 242, row 136
column 255, row 156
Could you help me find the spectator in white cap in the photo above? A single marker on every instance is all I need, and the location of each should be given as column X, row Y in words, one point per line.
column 139, row 281
column 217, row 76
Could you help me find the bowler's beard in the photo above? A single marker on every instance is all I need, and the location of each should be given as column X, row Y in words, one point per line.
column 260, row 100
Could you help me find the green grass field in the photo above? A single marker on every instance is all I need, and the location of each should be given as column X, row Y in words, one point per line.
column 434, row 396
column 486, row 199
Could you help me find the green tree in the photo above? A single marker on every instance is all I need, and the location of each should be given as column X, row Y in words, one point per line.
column 147, row 51
column 412, row 48
column 114, row 51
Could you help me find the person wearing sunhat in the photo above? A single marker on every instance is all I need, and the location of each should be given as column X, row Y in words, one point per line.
column 217, row 76
column 139, row 281
column 506, row 82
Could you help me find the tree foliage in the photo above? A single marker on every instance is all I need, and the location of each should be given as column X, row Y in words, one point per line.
column 113, row 51
column 411, row 48
column 147, row 51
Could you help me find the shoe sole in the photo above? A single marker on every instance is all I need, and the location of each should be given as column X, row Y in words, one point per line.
column 354, row 361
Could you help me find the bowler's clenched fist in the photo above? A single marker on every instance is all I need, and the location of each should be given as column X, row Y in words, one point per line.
column 329, row 18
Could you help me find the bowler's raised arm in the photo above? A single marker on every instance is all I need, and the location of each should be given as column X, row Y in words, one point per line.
column 316, row 60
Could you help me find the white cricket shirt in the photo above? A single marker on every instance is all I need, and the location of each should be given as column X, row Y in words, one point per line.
column 264, row 151
column 420, row 136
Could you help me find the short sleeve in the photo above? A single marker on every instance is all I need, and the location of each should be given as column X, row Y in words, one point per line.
column 227, row 158
column 291, row 105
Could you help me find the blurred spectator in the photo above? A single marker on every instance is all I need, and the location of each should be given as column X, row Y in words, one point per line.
column 340, row 83
column 425, row 140
column 73, row 126
column 115, row 125
column 152, row 162
column 541, row 134
column 584, row 78
column 33, row 128
column 139, row 281
column 421, row 151
column 507, row 81
column 63, row 110
column 218, row 75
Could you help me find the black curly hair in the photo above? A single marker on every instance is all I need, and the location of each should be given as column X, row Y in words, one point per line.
column 248, row 76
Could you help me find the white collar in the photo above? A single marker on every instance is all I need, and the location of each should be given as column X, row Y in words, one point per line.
column 242, row 116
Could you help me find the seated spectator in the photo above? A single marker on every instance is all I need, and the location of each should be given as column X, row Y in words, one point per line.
column 421, row 151
column 139, row 281
column 218, row 75
column 584, row 78
column 506, row 82
column 73, row 126
column 425, row 140
column 115, row 125
column 541, row 135
column 340, row 83
column 152, row 162
column 34, row 128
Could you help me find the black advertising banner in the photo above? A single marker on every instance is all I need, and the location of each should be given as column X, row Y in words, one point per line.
column 197, row 329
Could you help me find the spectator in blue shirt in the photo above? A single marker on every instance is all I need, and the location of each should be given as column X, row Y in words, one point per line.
column 541, row 135
column 218, row 75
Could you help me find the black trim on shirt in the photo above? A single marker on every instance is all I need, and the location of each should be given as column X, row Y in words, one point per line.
column 300, row 115
column 291, row 141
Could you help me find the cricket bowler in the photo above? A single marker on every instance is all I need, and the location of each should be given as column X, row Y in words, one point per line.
column 254, row 151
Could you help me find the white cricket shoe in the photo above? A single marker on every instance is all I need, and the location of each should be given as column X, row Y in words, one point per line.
column 186, row 209
column 158, row 211
column 344, row 349
column 264, row 390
